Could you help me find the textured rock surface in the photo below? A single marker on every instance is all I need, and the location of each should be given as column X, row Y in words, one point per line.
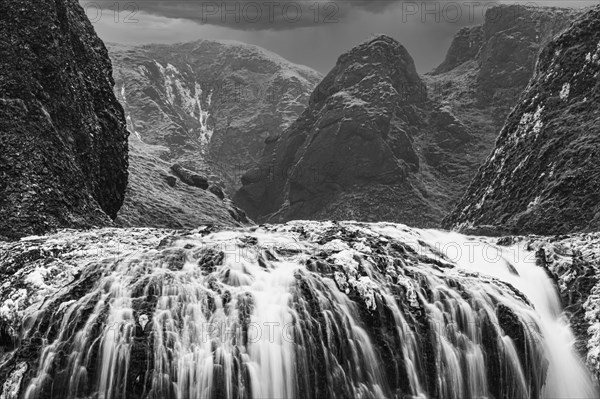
column 208, row 105
column 543, row 176
column 464, row 47
column 63, row 140
column 353, row 154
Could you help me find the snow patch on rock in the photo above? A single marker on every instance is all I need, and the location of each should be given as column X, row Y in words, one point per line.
column 564, row 92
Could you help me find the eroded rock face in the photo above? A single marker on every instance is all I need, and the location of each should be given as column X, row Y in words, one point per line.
column 513, row 37
column 355, row 139
column 464, row 47
column 63, row 140
column 543, row 176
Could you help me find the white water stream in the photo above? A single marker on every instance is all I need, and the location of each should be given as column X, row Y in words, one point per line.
column 242, row 315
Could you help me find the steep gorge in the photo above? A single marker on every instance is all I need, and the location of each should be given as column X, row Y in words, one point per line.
column 543, row 175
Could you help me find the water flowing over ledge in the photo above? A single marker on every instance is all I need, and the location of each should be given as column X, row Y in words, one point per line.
column 305, row 309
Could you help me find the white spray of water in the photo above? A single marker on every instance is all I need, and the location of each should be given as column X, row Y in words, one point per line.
column 567, row 376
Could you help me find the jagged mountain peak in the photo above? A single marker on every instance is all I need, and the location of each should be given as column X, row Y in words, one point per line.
column 377, row 49
column 504, row 49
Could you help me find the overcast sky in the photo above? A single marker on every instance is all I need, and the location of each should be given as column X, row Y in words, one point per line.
column 309, row 32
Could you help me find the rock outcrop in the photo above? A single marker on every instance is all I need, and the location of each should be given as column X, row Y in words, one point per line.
column 63, row 140
column 543, row 175
column 208, row 105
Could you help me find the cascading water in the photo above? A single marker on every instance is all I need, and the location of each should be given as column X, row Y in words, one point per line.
column 306, row 309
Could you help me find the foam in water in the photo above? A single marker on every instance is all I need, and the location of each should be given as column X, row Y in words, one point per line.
column 309, row 310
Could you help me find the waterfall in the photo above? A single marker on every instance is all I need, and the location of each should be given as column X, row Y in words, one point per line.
column 306, row 309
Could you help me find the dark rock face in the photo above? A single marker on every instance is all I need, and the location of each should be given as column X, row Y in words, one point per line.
column 355, row 139
column 513, row 37
column 216, row 190
column 63, row 140
column 189, row 178
column 464, row 47
column 171, row 180
column 543, row 176
column 208, row 105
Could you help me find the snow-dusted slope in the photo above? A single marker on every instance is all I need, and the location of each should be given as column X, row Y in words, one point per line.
column 210, row 105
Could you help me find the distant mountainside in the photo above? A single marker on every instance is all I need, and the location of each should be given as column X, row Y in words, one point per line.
column 488, row 66
column 544, row 176
column 352, row 154
column 208, row 105
column 63, row 140
column 365, row 149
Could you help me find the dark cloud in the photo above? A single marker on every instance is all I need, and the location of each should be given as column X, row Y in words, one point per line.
column 248, row 14
column 292, row 14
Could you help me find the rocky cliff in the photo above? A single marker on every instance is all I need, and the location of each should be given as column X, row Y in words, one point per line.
column 208, row 105
column 63, row 140
column 543, row 175
column 498, row 57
